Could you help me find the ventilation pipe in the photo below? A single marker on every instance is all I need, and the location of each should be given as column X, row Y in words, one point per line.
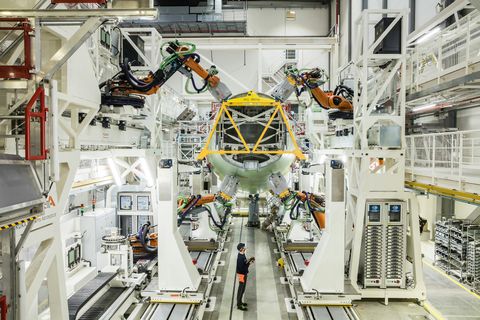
column 218, row 7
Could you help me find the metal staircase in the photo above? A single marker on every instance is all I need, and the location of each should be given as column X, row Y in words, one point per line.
column 271, row 79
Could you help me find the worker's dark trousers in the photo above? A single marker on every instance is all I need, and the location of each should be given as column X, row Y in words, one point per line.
column 241, row 290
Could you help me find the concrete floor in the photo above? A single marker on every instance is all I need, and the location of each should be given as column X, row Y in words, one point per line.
column 265, row 294
column 451, row 299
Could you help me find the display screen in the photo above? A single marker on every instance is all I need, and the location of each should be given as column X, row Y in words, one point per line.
column 143, row 203
column 374, row 213
column 394, row 213
column 125, row 202
column 71, row 257
column 77, row 254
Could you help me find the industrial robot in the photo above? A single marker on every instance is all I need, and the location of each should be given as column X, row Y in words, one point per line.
column 303, row 212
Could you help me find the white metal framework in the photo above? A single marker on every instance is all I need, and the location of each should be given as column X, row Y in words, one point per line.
column 449, row 159
column 376, row 172
column 42, row 256
column 442, row 67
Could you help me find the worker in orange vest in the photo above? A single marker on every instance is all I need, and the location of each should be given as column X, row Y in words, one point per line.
column 242, row 271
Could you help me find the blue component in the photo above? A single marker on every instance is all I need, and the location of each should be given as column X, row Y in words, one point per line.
column 336, row 164
column 395, row 208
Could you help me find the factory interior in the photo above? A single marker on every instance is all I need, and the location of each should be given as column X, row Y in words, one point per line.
column 234, row 159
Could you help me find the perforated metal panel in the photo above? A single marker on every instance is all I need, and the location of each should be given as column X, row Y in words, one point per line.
column 19, row 191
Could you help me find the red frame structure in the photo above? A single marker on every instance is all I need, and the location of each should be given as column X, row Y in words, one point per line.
column 39, row 95
column 3, row 307
column 19, row 71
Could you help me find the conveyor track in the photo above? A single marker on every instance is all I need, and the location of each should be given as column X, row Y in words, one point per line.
column 82, row 296
column 202, row 260
column 298, row 260
column 167, row 311
column 330, row 313
column 96, row 311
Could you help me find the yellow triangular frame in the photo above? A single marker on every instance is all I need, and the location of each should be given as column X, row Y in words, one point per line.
column 278, row 109
column 206, row 151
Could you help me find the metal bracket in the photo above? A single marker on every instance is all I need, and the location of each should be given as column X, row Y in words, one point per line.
column 69, row 47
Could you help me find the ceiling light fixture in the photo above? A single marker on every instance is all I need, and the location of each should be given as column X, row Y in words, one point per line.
column 428, row 35
column 291, row 15
column 147, row 172
column 114, row 170
column 423, row 108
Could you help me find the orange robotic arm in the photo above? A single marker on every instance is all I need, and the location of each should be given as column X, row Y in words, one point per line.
column 181, row 57
column 311, row 81
column 330, row 101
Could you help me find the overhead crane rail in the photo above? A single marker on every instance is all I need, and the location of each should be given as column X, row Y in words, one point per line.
column 469, row 197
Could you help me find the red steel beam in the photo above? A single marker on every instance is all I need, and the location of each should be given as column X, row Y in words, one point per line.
column 41, row 115
column 19, row 71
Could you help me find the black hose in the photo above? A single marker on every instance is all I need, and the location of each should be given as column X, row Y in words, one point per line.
column 195, row 85
column 143, row 235
column 187, row 210
column 309, row 205
column 293, row 208
column 218, row 225
column 138, row 84
column 297, row 211
column 102, row 84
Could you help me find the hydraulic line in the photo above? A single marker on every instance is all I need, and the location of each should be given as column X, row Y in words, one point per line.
column 142, row 237
column 295, row 205
column 187, row 211
column 222, row 223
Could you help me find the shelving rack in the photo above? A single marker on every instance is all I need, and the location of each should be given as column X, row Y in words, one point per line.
column 457, row 249
column 473, row 257
column 451, row 246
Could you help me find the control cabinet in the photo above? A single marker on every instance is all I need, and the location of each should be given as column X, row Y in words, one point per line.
column 384, row 244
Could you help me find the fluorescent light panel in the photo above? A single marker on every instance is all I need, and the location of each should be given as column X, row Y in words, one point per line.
column 422, row 108
column 147, row 172
column 428, row 35
column 114, row 171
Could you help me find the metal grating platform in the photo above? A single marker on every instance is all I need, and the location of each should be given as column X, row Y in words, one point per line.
column 96, row 311
column 82, row 296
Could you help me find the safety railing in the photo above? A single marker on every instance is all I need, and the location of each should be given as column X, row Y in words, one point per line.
column 445, row 51
column 15, row 32
column 450, row 155
column 191, row 139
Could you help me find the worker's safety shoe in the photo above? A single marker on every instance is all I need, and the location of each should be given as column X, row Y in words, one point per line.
column 241, row 307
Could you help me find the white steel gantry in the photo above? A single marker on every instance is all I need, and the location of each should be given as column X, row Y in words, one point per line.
column 376, row 172
column 42, row 238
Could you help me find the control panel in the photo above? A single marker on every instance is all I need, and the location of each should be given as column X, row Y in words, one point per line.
column 384, row 244
column 134, row 209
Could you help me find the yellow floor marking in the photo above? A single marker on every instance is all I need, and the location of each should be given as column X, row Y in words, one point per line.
column 451, row 279
column 433, row 311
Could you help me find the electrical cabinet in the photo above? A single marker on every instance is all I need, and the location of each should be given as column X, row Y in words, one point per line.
column 94, row 225
column 133, row 209
column 384, row 244
column 392, row 42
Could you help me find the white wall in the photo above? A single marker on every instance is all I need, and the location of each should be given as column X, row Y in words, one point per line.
column 273, row 22
column 463, row 210
column 468, row 119
column 425, row 10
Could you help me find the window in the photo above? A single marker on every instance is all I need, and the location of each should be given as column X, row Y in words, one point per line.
column 290, row 54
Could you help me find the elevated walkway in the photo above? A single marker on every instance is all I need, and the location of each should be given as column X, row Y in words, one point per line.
column 443, row 66
column 448, row 160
